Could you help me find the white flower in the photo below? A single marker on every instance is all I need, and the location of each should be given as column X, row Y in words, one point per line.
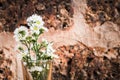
column 36, row 68
column 45, row 29
column 36, row 23
column 50, row 48
column 35, row 29
column 20, row 33
column 35, row 20
column 25, row 52
column 50, row 51
column 45, row 41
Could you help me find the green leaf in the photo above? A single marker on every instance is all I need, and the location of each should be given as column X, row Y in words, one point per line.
column 41, row 30
column 33, row 41
column 29, row 38
column 22, row 33
column 21, row 49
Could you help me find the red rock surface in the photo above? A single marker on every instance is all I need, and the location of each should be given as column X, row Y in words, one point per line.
column 85, row 52
column 79, row 62
column 56, row 13
column 8, row 65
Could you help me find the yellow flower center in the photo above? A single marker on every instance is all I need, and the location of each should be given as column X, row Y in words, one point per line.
column 38, row 22
column 35, row 28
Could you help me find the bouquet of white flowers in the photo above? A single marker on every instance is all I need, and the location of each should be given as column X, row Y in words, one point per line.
column 35, row 56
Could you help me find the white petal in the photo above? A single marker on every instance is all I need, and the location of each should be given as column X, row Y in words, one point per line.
column 35, row 20
column 18, row 36
column 45, row 29
column 36, row 68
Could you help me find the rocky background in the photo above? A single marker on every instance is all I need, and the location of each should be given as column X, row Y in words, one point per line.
column 14, row 13
column 86, row 36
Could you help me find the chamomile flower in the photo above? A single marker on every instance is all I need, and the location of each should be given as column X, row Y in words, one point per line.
column 50, row 51
column 20, row 33
column 35, row 20
column 30, row 51
column 36, row 23
column 35, row 29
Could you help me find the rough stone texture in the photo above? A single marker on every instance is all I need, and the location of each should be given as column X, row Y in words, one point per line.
column 79, row 62
column 7, row 40
column 96, row 36
column 102, row 56
column 107, row 35
column 99, row 35
column 8, row 64
column 56, row 13
column 100, row 11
